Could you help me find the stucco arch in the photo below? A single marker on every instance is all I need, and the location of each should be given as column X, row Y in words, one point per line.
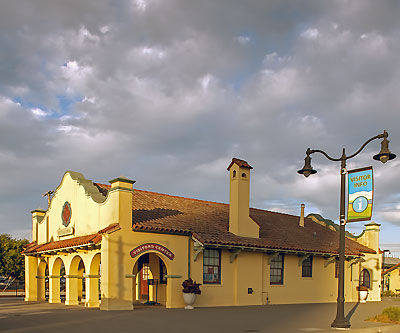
column 41, row 276
column 75, row 285
column 55, row 279
column 164, row 258
column 156, row 293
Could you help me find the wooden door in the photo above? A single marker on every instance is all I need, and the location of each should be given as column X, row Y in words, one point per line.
column 144, row 275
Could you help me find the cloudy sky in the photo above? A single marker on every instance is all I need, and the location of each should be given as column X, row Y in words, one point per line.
column 167, row 92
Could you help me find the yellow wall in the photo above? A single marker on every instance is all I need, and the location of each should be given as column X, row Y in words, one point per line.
column 92, row 212
column 394, row 280
column 373, row 262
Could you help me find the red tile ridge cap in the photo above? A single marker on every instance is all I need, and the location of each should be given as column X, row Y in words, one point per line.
column 169, row 195
column 273, row 212
column 181, row 197
column 240, row 163
column 109, row 229
column 26, row 246
column 391, row 269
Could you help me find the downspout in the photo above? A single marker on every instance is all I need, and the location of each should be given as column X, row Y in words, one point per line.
column 189, row 239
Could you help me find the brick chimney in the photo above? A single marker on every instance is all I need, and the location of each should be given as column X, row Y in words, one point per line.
column 240, row 222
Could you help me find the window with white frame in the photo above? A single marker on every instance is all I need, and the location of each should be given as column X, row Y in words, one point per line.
column 276, row 270
column 211, row 266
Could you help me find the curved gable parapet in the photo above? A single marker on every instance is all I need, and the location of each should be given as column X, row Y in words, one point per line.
column 332, row 225
column 90, row 189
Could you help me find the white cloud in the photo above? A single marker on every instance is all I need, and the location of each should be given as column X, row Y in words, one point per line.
column 139, row 5
column 311, row 33
column 243, row 40
column 104, row 29
column 206, row 80
column 153, row 52
column 39, row 113
column 91, row 100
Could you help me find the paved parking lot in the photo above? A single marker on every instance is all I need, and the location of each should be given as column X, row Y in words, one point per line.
column 19, row 316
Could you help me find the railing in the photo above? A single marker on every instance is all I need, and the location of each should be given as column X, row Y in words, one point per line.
column 12, row 288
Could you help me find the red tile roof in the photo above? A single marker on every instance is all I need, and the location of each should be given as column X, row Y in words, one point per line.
column 209, row 223
column 109, row 229
column 240, row 163
column 64, row 244
column 391, row 269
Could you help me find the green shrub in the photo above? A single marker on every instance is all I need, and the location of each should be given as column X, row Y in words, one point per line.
column 388, row 293
column 392, row 312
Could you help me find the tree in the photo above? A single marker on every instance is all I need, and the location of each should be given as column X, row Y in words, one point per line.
column 11, row 259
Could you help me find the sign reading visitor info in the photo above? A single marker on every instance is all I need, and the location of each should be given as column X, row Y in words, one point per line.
column 361, row 190
column 152, row 247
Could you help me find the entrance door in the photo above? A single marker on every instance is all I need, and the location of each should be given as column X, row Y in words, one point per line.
column 144, row 276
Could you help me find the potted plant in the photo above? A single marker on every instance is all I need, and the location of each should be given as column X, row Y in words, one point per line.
column 363, row 293
column 190, row 290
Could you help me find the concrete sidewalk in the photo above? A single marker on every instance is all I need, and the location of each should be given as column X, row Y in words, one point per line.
column 19, row 316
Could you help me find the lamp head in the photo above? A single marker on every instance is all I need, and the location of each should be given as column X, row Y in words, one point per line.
column 307, row 168
column 385, row 154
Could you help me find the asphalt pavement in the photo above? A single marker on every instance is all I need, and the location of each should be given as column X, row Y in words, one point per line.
column 19, row 316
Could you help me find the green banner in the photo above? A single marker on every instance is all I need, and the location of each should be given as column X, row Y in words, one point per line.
column 360, row 194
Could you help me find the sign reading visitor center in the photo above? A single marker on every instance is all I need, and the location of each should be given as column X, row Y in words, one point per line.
column 361, row 190
column 152, row 247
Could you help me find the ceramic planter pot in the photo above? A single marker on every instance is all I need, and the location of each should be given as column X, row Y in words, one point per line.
column 363, row 296
column 189, row 300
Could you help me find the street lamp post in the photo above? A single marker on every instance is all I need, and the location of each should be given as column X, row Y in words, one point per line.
column 383, row 156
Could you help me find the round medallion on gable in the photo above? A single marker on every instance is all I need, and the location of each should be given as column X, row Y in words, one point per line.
column 66, row 213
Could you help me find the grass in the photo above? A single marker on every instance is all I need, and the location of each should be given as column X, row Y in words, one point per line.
column 389, row 315
column 389, row 293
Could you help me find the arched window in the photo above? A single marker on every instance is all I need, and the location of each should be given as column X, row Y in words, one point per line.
column 234, row 174
column 243, row 175
column 365, row 278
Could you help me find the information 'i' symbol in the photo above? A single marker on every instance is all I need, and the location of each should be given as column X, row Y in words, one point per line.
column 360, row 204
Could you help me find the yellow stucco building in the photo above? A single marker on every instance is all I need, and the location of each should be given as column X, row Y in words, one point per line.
column 391, row 279
column 114, row 245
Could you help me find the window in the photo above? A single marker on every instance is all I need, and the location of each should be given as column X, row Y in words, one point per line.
column 276, row 270
column 306, row 267
column 163, row 272
column 234, row 174
column 365, row 278
column 243, row 175
column 211, row 266
column 146, row 272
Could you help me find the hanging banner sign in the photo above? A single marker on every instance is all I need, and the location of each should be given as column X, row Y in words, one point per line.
column 152, row 247
column 360, row 195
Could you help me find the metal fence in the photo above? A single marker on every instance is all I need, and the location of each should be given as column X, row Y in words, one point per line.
column 12, row 288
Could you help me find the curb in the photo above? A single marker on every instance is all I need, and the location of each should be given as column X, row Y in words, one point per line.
column 377, row 329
